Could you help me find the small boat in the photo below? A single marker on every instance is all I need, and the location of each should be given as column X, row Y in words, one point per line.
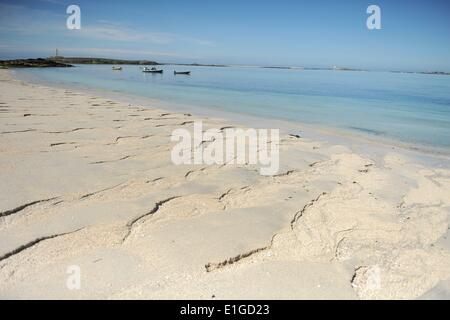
column 182, row 72
column 116, row 68
column 152, row 70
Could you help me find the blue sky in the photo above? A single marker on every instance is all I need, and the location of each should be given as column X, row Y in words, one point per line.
column 415, row 34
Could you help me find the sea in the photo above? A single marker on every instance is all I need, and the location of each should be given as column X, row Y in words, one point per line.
column 410, row 108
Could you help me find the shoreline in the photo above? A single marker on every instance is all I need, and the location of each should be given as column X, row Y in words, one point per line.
column 357, row 141
column 92, row 185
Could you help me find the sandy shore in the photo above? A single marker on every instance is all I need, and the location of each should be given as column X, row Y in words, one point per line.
column 89, row 182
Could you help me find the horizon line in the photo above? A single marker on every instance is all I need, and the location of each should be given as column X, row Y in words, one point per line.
column 268, row 66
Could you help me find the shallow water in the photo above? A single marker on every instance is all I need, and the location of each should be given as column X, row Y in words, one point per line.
column 411, row 108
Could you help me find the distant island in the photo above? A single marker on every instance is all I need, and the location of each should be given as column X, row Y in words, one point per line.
column 79, row 60
column 65, row 62
column 312, row 69
column 277, row 67
column 196, row 65
column 440, row 73
column 33, row 63
column 59, row 61
column 82, row 60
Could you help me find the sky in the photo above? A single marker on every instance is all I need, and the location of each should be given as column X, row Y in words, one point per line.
column 414, row 34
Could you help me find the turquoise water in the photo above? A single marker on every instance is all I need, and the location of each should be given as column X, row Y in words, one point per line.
column 411, row 108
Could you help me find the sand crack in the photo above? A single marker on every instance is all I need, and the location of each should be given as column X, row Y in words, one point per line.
column 34, row 242
column 130, row 225
column 21, row 207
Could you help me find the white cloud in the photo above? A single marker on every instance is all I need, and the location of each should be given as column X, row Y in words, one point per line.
column 96, row 51
column 117, row 52
column 116, row 33
column 20, row 20
column 107, row 30
column 99, row 38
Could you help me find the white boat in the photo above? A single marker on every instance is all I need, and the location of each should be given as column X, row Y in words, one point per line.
column 152, row 70
column 116, row 68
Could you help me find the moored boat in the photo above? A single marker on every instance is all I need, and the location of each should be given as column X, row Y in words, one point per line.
column 182, row 72
column 116, row 68
column 152, row 70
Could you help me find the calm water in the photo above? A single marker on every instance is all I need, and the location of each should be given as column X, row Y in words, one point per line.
column 410, row 108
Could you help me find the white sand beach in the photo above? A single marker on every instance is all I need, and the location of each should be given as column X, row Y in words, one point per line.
column 88, row 181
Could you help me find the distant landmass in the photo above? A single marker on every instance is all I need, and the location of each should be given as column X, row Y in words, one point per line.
column 33, row 63
column 67, row 62
column 197, row 65
column 313, row 69
column 59, row 61
column 81, row 60
column 276, row 67
column 440, row 73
